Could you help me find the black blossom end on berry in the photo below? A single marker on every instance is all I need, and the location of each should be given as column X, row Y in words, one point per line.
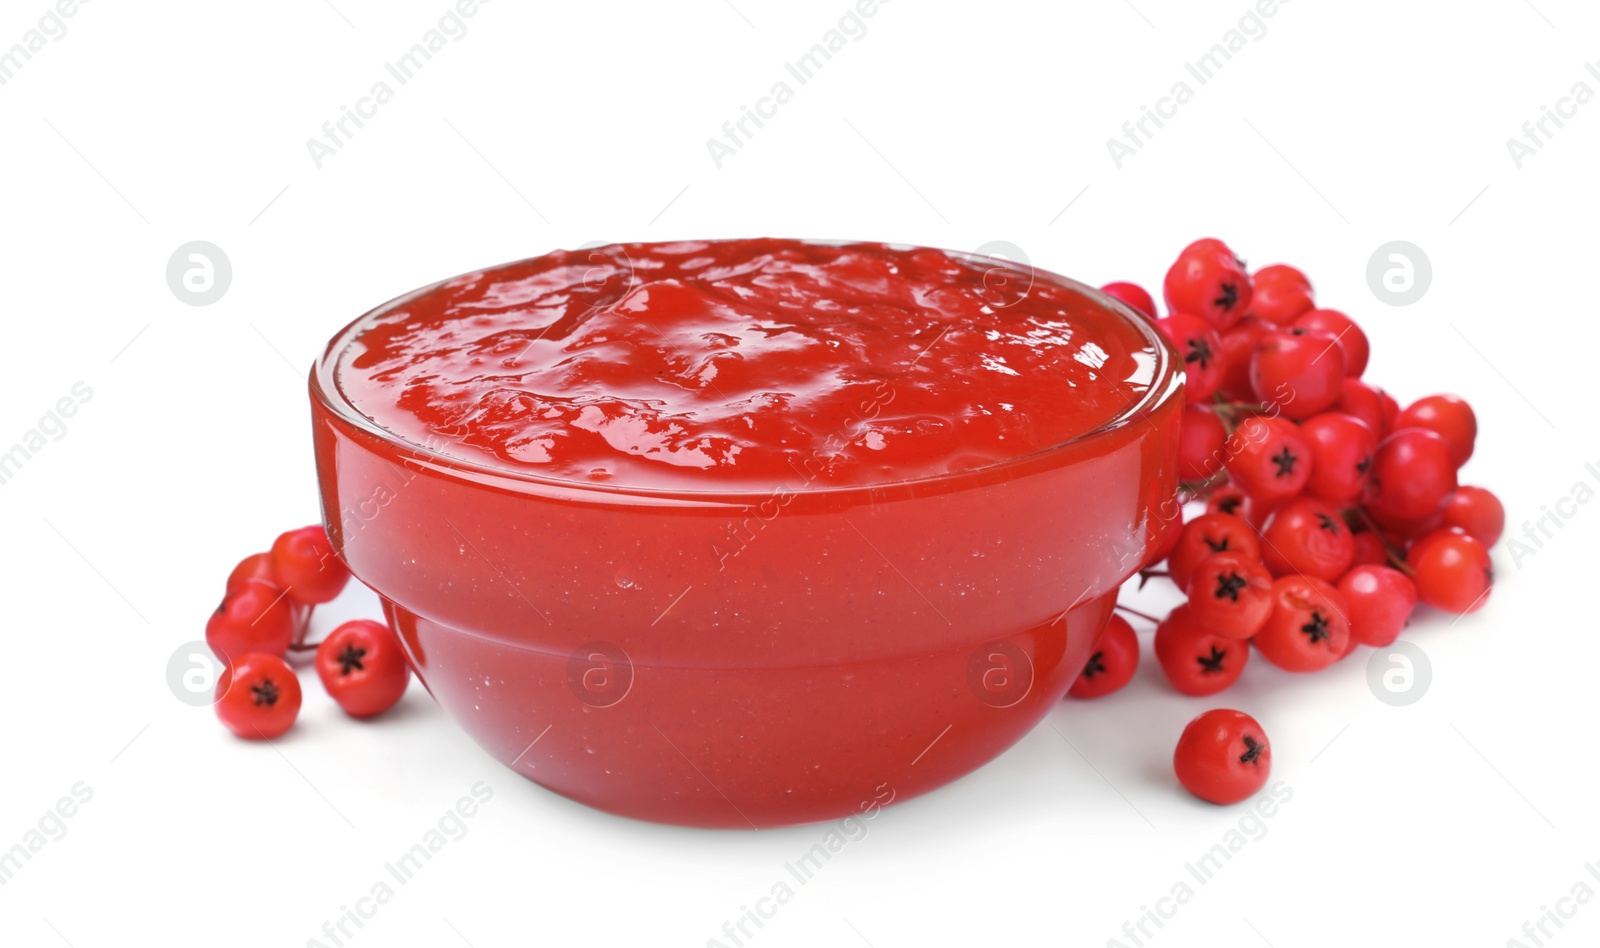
column 1327, row 523
column 1228, row 586
column 1252, row 751
column 1229, row 506
column 1285, row 460
column 1096, row 665
column 1317, row 629
column 1212, row 664
column 265, row 694
column 1218, row 546
column 1199, row 351
column 350, row 659
column 1228, row 297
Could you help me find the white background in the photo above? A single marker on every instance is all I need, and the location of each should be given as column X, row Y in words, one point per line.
column 1452, row 821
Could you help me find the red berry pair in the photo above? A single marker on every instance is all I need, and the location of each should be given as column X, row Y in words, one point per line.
column 268, row 597
column 361, row 666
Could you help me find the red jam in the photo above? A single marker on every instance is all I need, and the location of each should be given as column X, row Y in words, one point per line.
column 747, row 533
column 746, row 364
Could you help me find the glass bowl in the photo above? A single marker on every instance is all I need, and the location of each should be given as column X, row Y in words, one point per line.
column 739, row 658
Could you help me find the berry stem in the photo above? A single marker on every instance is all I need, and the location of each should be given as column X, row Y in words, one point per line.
column 1199, row 490
column 1231, row 413
column 1134, row 612
column 302, row 631
column 1397, row 556
column 1145, row 575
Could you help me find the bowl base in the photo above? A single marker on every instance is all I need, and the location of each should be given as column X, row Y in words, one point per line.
column 748, row 748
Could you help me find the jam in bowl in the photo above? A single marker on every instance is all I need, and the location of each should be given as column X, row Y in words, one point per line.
column 747, row 533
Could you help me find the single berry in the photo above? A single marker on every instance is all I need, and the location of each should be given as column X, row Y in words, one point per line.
column 1281, row 294
column 1352, row 341
column 1342, row 447
column 1307, row 535
column 1371, row 405
column 304, row 565
column 1268, row 458
column 1301, row 371
column 1208, row 281
column 1450, row 417
column 1283, row 273
column 1380, row 600
column 1309, row 628
column 1112, row 664
column 1452, row 571
column 254, row 566
column 1412, row 474
column 1223, row 757
column 1477, row 511
column 258, row 697
column 1195, row 660
column 363, row 667
column 1230, row 594
column 254, row 618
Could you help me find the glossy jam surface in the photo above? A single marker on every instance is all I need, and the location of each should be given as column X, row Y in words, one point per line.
column 746, row 364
